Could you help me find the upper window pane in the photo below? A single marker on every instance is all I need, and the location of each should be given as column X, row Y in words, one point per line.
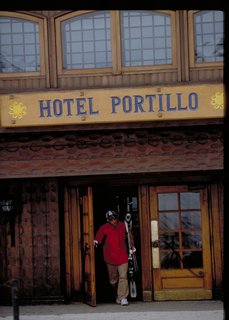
column 167, row 201
column 19, row 45
column 209, row 36
column 146, row 38
column 190, row 200
column 86, row 41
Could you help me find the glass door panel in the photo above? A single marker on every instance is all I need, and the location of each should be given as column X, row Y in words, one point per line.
column 179, row 229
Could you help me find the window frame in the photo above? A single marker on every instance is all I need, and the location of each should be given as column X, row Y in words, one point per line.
column 174, row 29
column 43, row 48
column 191, row 34
column 59, row 53
column 116, row 67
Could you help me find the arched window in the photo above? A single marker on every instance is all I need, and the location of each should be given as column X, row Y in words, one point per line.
column 86, row 41
column 146, row 38
column 20, row 44
column 116, row 41
column 207, row 37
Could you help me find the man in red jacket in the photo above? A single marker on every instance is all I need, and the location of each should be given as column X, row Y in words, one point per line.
column 113, row 237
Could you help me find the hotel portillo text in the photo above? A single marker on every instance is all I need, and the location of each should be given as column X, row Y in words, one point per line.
column 114, row 105
column 127, row 104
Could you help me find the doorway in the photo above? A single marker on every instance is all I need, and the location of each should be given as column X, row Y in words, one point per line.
column 84, row 212
column 122, row 200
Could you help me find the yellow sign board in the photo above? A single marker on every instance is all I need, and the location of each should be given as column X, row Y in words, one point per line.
column 112, row 105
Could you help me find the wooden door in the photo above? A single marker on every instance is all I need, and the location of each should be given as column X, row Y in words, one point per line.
column 79, row 245
column 88, row 247
column 180, row 243
column 72, row 234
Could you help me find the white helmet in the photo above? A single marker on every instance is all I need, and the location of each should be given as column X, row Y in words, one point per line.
column 111, row 215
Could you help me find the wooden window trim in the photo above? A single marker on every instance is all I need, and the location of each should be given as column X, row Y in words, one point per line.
column 43, row 48
column 116, row 48
column 183, row 65
column 116, row 43
column 191, row 35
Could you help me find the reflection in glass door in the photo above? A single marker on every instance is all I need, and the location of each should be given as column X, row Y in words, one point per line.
column 180, row 230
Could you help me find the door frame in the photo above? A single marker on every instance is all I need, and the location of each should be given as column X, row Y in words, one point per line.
column 215, row 210
column 214, row 207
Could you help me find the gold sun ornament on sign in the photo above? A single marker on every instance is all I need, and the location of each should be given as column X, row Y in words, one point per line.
column 17, row 110
column 217, row 100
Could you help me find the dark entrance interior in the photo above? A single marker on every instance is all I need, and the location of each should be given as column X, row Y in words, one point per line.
column 122, row 200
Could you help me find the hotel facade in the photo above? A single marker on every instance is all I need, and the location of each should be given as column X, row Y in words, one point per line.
column 119, row 110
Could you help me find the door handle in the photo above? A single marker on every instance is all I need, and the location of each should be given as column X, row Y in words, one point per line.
column 87, row 249
column 155, row 244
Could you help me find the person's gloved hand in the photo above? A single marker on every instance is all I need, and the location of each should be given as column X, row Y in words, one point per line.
column 133, row 250
column 96, row 243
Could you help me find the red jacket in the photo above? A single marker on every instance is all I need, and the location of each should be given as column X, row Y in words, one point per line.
column 114, row 246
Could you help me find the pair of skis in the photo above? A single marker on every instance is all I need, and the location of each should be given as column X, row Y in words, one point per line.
column 132, row 260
